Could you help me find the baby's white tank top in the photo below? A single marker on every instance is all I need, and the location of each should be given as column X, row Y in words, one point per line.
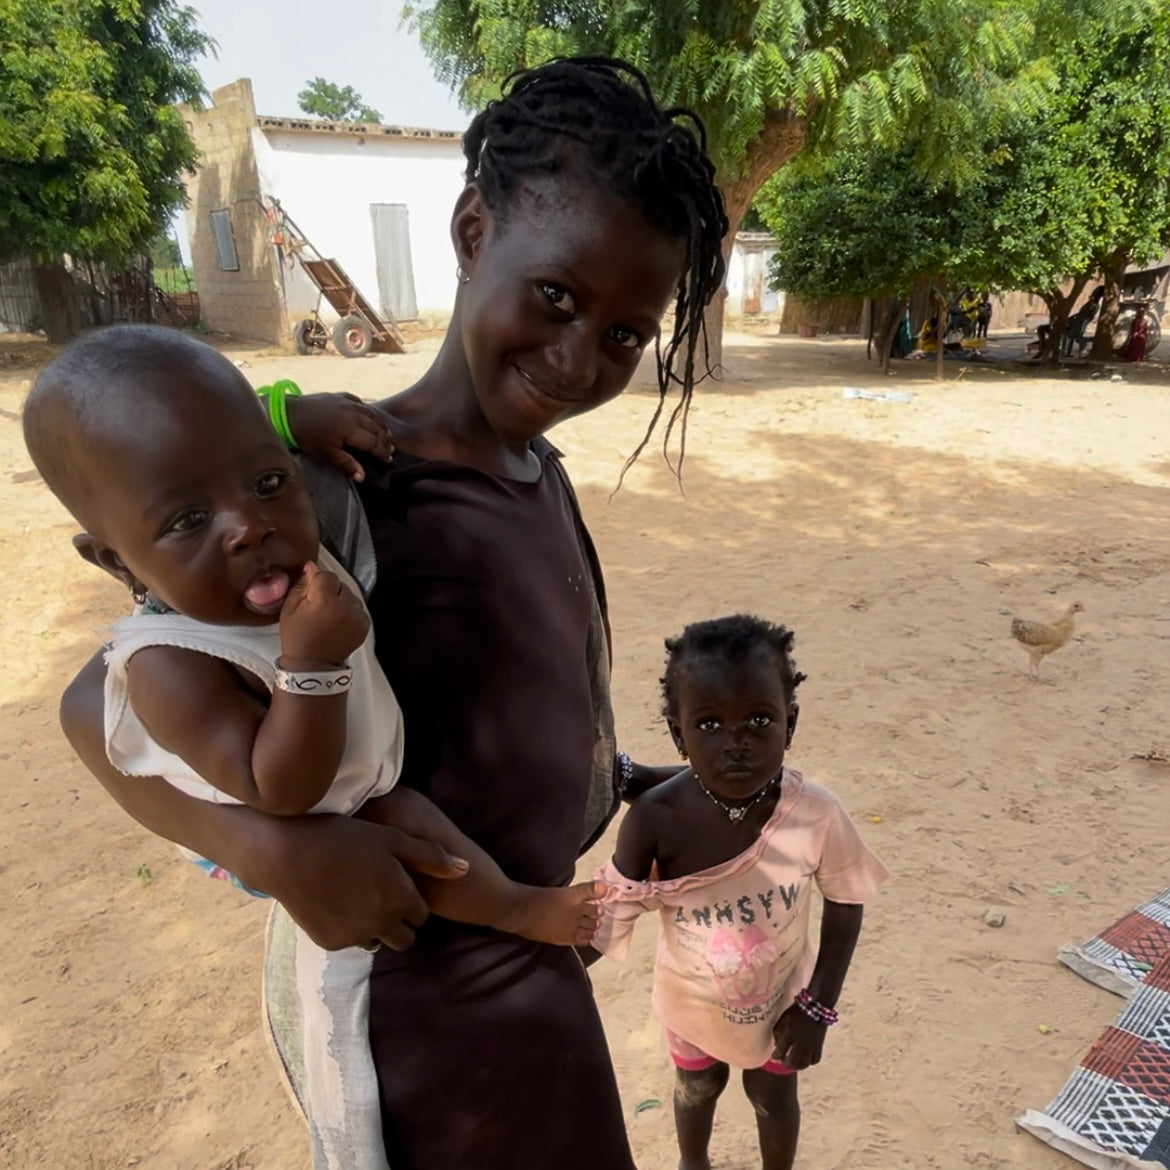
column 371, row 762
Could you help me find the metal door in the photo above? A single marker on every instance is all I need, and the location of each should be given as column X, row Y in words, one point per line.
column 395, row 268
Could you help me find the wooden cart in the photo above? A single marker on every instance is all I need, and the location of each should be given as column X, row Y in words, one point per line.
column 361, row 330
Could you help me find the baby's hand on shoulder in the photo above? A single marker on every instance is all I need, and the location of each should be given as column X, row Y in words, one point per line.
column 322, row 620
column 325, row 424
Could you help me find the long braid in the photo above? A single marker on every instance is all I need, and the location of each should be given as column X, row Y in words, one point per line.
column 599, row 114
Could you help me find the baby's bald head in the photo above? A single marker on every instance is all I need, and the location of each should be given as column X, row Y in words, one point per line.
column 114, row 391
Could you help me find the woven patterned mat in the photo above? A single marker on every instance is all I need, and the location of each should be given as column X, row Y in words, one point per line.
column 1120, row 958
column 1114, row 1111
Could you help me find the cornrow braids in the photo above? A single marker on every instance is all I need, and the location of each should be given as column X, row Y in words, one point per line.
column 598, row 116
column 731, row 639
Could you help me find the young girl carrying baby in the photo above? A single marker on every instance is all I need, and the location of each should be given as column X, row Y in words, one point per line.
column 247, row 673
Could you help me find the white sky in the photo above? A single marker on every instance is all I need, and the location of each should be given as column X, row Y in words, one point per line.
column 282, row 44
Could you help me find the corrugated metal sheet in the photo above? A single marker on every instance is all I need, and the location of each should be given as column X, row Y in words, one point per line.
column 20, row 307
column 395, row 267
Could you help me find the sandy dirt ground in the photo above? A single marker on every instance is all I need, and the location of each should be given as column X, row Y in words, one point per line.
column 897, row 538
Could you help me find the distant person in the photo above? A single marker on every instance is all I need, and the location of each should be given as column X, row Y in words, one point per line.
column 928, row 335
column 984, row 317
column 1139, row 336
column 727, row 852
column 903, row 345
column 1079, row 322
column 969, row 308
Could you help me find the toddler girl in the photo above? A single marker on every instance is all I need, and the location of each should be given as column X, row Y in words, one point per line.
column 727, row 852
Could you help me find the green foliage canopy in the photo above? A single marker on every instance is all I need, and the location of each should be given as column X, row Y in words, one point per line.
column 863, row 224
column 846, row 71
column 867, row 223
column 1086, row 179
column 1110, row 113
column 773, row 77
column 92, row 147
column 324, row 99
column 164, row 252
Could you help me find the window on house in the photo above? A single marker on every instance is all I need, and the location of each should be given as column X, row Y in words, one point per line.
column 225, row 242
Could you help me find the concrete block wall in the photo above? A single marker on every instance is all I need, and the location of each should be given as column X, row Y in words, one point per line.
column 247, row 303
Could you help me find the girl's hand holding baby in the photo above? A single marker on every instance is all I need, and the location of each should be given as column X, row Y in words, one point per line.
column 322, row 622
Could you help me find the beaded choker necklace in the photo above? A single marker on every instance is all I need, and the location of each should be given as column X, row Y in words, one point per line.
column 736, row 812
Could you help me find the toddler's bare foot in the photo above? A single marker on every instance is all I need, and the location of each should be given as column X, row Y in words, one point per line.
column 566, row 916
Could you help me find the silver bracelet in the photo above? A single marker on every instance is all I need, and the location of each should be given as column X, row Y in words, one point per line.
column 315, row 682
column 625, row 772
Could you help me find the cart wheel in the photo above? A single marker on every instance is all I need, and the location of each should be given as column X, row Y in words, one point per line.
column 353, row 337
column 309, row 335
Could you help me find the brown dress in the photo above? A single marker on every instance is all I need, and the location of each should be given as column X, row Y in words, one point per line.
column 489, row 1048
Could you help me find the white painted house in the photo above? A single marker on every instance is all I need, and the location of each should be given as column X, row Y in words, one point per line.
column 375, row 198
column 378, row 201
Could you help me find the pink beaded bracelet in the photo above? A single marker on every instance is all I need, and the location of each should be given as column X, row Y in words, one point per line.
column 814, row 1009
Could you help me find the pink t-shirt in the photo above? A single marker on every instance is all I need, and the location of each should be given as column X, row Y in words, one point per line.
column 734, row 948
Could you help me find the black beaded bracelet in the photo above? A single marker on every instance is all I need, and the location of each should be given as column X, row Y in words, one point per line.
column 814, row 1009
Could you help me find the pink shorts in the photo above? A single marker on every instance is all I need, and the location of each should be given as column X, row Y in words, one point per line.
column 686, row 1056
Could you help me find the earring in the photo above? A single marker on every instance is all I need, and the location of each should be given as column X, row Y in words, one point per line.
column 462, row 276
column 682, row 751
column 138, row 592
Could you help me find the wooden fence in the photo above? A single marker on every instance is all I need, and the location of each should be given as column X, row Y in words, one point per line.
column 103, row 297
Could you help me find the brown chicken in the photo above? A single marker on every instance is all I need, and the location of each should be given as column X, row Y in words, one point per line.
column 1039, row 639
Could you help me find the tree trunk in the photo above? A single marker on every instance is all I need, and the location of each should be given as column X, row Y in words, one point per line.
column 942, row 305
column 921, row 303
column 782, row 136
column 1112, row 276
column 57, row 294
column 890, row 332
column 1059, row 309
column 876, row 323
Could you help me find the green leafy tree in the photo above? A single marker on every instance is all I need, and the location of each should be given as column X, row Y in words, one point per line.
column 862, row 224
column 1115, row 90
column 1043, row 220
column 1081, row 187
column 92, row 147
column 772, row 76
column 164, row 252
column 1085, row 190
column 867, row 224
column 323, row 99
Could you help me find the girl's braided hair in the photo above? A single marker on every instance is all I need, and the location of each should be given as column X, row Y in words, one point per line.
column 597, row 116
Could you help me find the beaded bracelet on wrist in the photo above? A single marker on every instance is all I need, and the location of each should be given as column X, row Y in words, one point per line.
column 625, row 772
column 814, row 1009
